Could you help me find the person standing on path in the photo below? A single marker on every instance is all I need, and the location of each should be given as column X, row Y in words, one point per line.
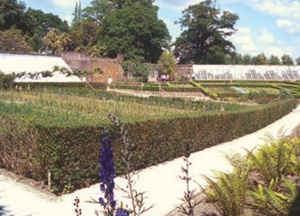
column 109, row 82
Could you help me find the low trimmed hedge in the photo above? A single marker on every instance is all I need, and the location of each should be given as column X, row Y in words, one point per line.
column 71, row 154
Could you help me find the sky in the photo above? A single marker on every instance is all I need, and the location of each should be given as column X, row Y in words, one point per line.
column 271, row 27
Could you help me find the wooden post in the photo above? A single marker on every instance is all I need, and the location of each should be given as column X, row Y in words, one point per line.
column 49, row 181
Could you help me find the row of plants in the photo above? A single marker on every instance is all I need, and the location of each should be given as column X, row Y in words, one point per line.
column 264, row 182
column 92, row 102
column 64, row 87
column 221, row 88
column 258, row 91
column 67, row 150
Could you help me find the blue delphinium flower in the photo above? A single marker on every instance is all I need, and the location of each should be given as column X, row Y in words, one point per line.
column 107, row 174
column 122, row 212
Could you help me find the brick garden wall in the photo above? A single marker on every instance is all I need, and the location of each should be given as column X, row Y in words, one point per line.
column 183, row 72
column 109, row 67
column 113, row 67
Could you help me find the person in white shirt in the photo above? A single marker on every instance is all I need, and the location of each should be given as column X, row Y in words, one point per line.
column 109, row 81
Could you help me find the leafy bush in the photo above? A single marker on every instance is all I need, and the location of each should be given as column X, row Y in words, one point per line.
column 262, row 183
column 6, row 81
column 63, row 133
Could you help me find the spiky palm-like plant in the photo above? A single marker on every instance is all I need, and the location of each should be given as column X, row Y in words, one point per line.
column 268, row 201
column 228, row 192
column 274, row 160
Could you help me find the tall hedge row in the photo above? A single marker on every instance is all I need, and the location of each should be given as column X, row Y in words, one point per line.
column 71, row 154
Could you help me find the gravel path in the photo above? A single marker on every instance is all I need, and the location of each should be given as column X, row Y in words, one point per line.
column 161, row 183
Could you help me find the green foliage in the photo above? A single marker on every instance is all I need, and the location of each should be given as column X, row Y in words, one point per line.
column 203, row 38
column 260, row 97
column 260, row 59
column 84, row 39
column 96, row 12
column 6, row 81
column 274, row 60
column 56, row 42
column 246, row 190
column 14, row 42
column 41, row 23
column 64, row 128
column 204, row 90
column 77, row 15
column 268, row 201
column 167, row 63
column 274, row 161
column 287, row 60
column 228, row 192
column 12, row 15
column 136, row 32
column 297, row 60
column 136, row 69
column 32, row 24
column 137, row 198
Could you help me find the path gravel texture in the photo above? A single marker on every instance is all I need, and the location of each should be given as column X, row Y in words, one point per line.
column 161, row 183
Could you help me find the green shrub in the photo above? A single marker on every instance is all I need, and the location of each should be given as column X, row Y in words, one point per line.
column 63, row 133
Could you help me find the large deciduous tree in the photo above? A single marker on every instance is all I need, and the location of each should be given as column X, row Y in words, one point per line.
column 13, row 41
column 12, row 15
column 136, row 32
column 42, row 23
column 56, row 42
column 203, row 39
column 97, row 11
column 84, row 37
column 30, row 24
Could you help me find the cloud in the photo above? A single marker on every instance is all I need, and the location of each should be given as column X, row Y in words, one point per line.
column 291, row 26
column 284, row 23
column 180, row 5
column 254, row 42
column 65, row 3
column 266, row 37
column 243, row 39
column 281, row 8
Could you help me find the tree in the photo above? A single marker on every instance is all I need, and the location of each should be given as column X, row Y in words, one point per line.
column 205, row 32
column 287, row 60
column 97, row 11
column 41, row 24
column 219, row 52
column 136, row 32
column 85, row 36
column 297, row 61
column 274, row 60
column 55, row 41
column 120, row 4
column 260, row 59
column 33, row 24
column 136, row 69
column 13, row 41
column 100, row 8
column 12, row 15
column 247, row 59
column 167, row 63
column 77, row 15
column 235, row 58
